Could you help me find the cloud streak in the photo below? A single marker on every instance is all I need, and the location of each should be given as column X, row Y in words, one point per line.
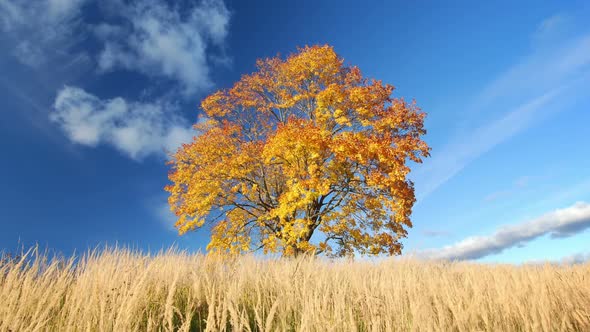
column 526, row 90
column 455, row 156
column 135, row 129
column 558, row 224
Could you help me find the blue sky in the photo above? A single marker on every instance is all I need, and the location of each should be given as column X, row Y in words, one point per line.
column 92, row 93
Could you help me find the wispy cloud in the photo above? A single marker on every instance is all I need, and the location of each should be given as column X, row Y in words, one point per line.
column 519, row 184
column 160, row 40
column 498, row 194
column 558, row 224
column 39, row 32
column 526, row 91
column 435, row 233
column 161, row 211
column 538, row 72
column 136, row 129
column 550, row 29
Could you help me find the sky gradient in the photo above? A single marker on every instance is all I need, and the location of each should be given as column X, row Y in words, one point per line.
column 93, row 94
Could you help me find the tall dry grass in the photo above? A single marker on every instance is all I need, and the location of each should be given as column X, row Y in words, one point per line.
column 122, row 290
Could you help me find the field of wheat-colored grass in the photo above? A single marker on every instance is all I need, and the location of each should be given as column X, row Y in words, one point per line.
column 123, row 290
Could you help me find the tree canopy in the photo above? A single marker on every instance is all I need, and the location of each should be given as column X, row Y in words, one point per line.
column 303, row 146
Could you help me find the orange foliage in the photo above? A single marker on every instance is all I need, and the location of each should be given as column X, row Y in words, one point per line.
column 303, row 145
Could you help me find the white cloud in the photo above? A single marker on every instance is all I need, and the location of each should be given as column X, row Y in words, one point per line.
column 559, row 223
column 60, row 8
column 165, row 41
column 174, row 41
column 178, row 41
column 28, row 54
column 136, row 129
column 39, row 31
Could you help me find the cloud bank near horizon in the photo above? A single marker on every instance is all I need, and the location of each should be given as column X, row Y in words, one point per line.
column 557, row 224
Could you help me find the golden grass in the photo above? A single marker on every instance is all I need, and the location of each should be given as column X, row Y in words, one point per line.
column 123, row 290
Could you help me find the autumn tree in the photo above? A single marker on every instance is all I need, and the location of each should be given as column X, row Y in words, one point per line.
column 302, row 146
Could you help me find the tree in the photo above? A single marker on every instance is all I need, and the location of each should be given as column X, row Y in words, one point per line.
column 304, row 144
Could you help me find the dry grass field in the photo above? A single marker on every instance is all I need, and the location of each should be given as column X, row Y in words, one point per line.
column 122, row 290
